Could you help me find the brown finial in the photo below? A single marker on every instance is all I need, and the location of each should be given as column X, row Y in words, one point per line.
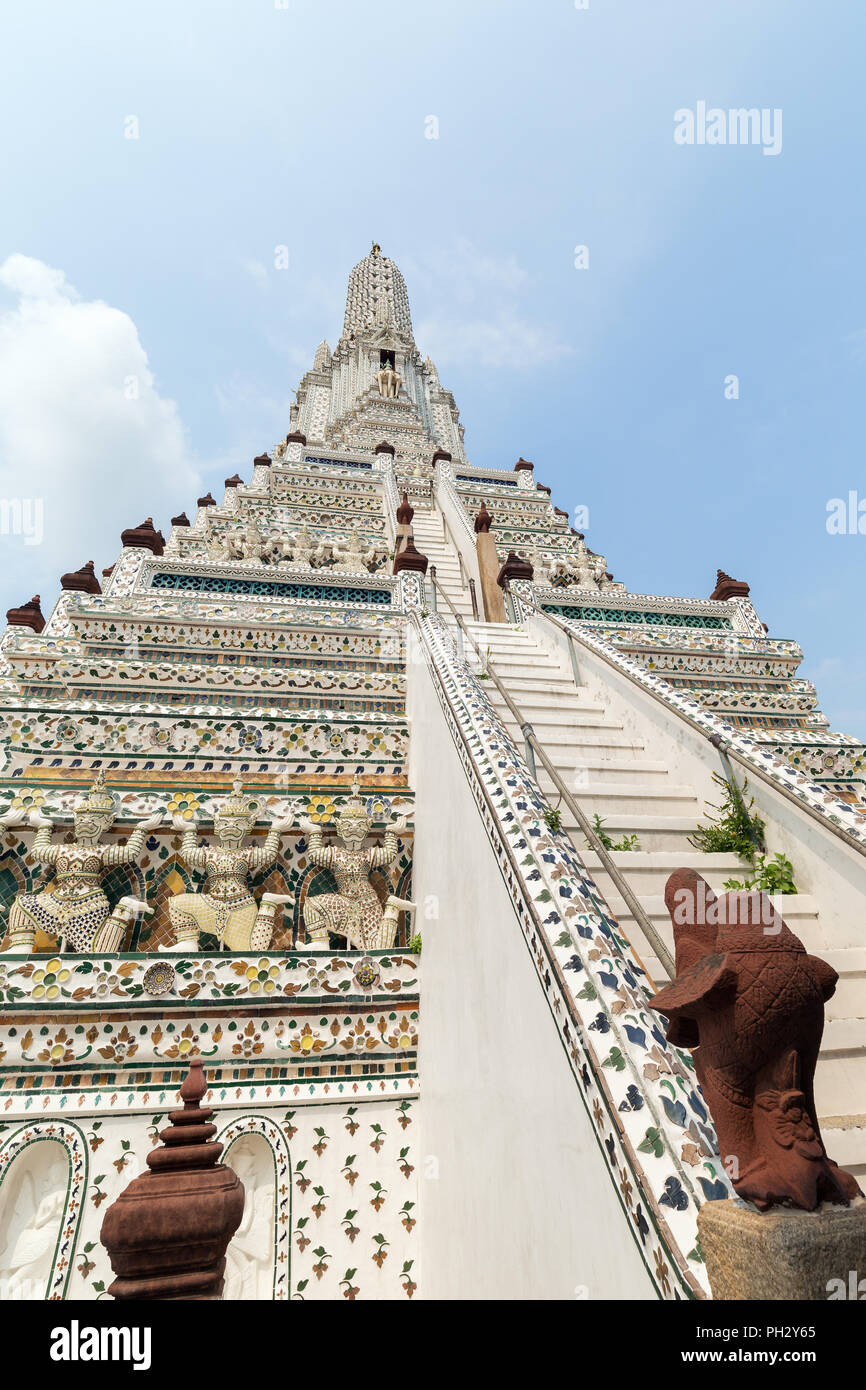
column 108, row 571
column 750, row 1001
column 262, row 460
column 410, row 559
column 523, row 466
column 295, row 438
column 540, row 487
column 82, row 581
column 440, row 455
column 145, row 536
column 168, row 1231
column 206, row 501
column 726, row 587
column 234, row 481
column 182, row 520
column 514, row 568
column 28, row 615
column 483, row 521
column 405, row 511
column 384, row 448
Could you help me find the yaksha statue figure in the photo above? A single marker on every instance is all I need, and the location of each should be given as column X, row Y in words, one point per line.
column 355, row 911
column 73, row 906
column 225, row 908
column 750, row 1001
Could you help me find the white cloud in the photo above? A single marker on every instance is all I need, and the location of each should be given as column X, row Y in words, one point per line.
column 257, row 271
column 82, row 427
column 487, row 320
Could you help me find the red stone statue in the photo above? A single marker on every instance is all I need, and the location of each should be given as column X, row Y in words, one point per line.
column 750, row 1001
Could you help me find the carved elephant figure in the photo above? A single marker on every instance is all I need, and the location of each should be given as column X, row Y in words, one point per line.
column 750, row 1000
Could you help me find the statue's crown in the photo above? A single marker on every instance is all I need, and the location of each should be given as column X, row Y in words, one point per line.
column 98, row 800
column 237, row 805
column 354, row 813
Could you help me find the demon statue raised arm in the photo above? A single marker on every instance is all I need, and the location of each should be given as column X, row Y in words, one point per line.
column 354, row 911
column 72, row 906
column 225, row 907
column 750, row 1001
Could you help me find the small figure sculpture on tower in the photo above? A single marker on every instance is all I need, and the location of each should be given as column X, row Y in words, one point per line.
column 390, row 381
column 225, row 907
column 355, row 911
column 73, row 906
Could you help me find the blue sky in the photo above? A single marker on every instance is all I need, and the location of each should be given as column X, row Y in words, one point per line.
column 303, row 125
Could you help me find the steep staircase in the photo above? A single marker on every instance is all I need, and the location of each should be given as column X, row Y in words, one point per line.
column 634, row 793
column 430, row 539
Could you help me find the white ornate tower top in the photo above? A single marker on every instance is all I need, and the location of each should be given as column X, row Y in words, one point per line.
column 374, row 387
column 377, row 295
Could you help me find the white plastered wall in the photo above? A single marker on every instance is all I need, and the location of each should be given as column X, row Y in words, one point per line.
column 515, row 1193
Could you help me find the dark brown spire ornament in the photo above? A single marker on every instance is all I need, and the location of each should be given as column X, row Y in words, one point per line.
column 82, row 581
column 750, row 1001
column 483, row 520
column 28, row 615
column 410, row 559
column 168, row 1231
column 514, row 568
column 726, row 587
column 145, row 536
column 405, row 511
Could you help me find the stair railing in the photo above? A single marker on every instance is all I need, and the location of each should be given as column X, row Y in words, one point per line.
column 534, row 750
column 449, row 535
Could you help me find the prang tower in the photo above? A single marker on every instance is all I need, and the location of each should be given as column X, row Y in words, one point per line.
column 361, row 785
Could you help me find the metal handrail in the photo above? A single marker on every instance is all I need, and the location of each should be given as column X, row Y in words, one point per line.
column 534, row 749
column 724, row 749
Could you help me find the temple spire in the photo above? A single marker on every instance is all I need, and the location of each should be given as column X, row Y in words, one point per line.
column 377, row 295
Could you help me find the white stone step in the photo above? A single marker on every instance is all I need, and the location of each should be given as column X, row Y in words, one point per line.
column 840, row 1082
column 622, row 799
column 575, row 765
column 647, row 873
column 845, row 1140
column 553, row 711
column 532, row 679
column 654, row 832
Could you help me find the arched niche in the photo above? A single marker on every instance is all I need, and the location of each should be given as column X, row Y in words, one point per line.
column 34, row 1198
column 251, row 1258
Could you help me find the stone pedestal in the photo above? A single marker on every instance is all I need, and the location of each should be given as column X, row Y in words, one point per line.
column 783, row 1254
column 488, row 568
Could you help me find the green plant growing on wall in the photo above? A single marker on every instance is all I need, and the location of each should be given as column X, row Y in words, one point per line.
column 628, row 842
column 773, row 876
column 735, row 829
column 553, row 819
column 413, row 945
